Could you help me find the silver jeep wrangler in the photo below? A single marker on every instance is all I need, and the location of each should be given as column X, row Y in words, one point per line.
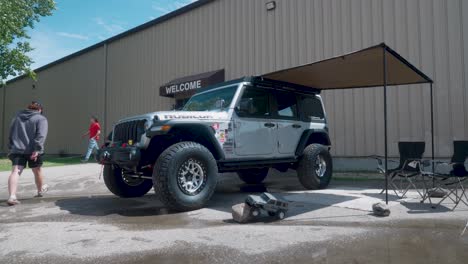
column 246, row 126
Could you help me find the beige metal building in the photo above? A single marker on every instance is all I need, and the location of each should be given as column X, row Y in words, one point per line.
column 122, row 76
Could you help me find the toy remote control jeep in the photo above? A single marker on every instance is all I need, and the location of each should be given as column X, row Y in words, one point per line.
column 272, row 205
column 246, row 126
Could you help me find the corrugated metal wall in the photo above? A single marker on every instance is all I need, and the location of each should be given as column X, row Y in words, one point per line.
column 244, row 38
column 71, row 92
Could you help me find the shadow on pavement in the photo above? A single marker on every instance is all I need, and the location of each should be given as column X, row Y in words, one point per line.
column 425, row 208
column 230, row 191
column 108, row 205
column 299, row 203
column 414, row 207
column 98, row 206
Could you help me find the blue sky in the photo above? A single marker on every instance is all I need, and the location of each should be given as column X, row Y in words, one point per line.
column 77, row 24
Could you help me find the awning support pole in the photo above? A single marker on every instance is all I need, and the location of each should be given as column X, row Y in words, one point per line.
column 432, row 127
column 432, row 134
column 385, row 122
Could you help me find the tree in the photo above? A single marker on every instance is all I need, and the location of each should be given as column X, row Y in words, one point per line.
column 16, row 16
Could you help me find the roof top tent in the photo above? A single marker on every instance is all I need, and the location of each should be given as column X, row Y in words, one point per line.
column 376, row 66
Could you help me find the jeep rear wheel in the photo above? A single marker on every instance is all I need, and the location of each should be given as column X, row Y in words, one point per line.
column 253, row 176
column 123, row 185
column 281, row 215
column 315, row 167
column 185, row 176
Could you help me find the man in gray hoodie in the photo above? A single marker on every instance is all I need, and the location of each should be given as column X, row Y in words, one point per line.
column 28, row 132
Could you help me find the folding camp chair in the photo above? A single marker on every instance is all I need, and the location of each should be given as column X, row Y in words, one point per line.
column 448, row 177
column 411, row 154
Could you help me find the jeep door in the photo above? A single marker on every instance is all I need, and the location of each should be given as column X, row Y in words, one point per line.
column 290, row 126
column 255, row 131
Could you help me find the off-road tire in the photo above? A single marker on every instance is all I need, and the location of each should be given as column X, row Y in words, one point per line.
column 255, row 212
column 165, row 176
column 117, row 185
column 306, row 169
column 253, row 176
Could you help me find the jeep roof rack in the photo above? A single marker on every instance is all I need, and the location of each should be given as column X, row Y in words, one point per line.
column 259, row 80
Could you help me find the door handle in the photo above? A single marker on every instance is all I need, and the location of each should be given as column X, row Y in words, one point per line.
column 296, row 126
column 270, row 125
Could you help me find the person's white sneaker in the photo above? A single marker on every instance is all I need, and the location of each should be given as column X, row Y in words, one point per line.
column 44, row 189
column 13, row 201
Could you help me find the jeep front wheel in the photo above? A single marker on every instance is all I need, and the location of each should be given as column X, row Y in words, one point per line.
column 253, row 176
column 315, row 167
column 185, row 176
column 123, row 185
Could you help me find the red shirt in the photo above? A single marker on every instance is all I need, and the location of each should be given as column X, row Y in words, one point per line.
column 93, row 130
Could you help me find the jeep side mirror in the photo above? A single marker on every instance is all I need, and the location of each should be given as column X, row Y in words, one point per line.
column 245, row 107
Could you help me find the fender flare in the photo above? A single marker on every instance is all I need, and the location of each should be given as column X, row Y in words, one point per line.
column 202, row 128
column 309, row 133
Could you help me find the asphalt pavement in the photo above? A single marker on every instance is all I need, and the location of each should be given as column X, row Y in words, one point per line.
column 79, row 221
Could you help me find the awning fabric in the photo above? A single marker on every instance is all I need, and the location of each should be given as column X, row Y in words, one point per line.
column 364, row 68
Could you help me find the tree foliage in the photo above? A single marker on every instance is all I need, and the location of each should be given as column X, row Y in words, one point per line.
column 16, row 16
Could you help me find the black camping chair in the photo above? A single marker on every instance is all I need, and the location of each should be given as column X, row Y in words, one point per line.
column 411, row 154
column 448, row 178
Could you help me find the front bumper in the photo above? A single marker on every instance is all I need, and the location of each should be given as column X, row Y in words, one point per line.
column 123, row 156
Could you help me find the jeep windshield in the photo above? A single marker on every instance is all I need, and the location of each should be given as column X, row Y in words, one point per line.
column 215, row 100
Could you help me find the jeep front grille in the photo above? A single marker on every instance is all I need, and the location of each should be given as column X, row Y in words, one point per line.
column 131, row 130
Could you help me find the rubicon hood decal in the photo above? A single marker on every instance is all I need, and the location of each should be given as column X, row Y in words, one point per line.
column 191, row 115
column 188, row 117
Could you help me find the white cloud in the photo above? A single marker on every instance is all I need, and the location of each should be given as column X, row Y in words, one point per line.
column 46, row 49
column 72, row 35
column 180, row 4
column 160, row 9
column 110, row 28
column 165, row 7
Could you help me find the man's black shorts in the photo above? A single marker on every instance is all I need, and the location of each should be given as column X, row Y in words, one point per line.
column 23, row 159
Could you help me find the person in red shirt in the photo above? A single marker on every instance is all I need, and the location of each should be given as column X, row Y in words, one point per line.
column 93, row 132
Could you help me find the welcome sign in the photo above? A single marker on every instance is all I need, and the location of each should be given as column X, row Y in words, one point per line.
column 187, row 86
column 183, row 87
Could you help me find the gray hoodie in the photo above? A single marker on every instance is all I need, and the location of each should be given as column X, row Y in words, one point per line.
column 28, row 133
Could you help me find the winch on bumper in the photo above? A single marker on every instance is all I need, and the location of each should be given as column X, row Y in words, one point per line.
column 124, row 156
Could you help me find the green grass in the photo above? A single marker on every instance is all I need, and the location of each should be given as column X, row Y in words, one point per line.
column 49, row 161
